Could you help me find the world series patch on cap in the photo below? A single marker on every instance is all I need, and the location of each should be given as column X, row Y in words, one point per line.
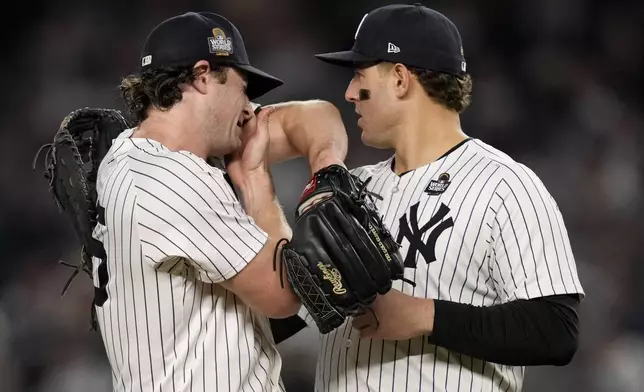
column 185, row 39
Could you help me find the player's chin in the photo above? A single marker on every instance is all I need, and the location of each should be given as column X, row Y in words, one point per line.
column 370, row 140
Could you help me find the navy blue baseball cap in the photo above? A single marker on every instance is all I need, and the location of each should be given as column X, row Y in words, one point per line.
column 193, row 36
column 413, row 35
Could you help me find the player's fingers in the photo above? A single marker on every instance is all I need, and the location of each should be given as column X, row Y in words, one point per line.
column 264, row 116
column 363, row 321
column 359, row 322
column 369, row 331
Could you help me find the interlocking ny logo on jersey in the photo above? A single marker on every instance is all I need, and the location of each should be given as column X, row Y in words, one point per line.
column 414, row 234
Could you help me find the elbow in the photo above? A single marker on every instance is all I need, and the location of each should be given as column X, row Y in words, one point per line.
column 322, row 106
column 562, row 346
column 328, row 108
column 323, row 112
column 325, row 115
column 332, row 148
column 300, row 114
column 566, row 342
column 565, row 352
column 331, row 114
column 563, row 335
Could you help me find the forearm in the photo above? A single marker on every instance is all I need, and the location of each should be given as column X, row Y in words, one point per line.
column 260, row 203
column 313, row 129
column 519, row 333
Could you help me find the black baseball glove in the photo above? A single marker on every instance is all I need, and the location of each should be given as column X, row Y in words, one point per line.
column 71, row 167
column 340, row 256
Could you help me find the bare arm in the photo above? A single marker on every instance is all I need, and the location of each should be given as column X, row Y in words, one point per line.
column 311, row 129
column 259, row 285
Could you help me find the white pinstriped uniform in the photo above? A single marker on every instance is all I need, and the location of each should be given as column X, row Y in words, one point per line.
column 173, row 229
column 499, row 236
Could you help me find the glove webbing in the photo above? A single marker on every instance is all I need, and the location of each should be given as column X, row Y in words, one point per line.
column 96, row 249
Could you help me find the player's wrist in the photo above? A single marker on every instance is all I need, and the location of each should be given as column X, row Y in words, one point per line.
column 260, row 203
column 257, row 181
column 424, row 311
column 327, row 157
column 257, row 192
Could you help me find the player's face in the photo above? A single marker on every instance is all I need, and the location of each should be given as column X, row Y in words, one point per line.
column 369, row 90
column 230, row 109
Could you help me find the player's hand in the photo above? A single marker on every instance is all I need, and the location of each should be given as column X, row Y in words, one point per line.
column 399, row 317
column 252, row 156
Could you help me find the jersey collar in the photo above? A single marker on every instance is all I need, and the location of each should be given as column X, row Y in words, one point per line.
column 392, row 164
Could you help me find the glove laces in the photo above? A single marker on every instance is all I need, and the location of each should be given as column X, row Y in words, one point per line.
column 362, row 189
column 281, row 263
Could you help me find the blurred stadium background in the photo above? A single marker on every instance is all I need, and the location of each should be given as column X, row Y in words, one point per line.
column 555, row 86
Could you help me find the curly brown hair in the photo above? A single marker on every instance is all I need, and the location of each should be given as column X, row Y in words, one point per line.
column 159, row 88
column 453, row 92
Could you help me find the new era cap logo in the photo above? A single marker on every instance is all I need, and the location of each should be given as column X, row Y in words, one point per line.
column 391, row 48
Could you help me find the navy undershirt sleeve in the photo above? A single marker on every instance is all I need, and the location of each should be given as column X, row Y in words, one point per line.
column 540, row 331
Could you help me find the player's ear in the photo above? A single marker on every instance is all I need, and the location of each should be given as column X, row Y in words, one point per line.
column 202, row 76
column 402, row 79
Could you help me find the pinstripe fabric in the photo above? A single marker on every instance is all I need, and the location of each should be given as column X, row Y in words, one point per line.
column 173, row 230
column 507, row 241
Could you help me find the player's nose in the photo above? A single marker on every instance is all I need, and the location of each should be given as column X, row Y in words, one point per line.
column 351, row 94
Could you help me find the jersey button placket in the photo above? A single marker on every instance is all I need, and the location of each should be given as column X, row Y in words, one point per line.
column 395, row 188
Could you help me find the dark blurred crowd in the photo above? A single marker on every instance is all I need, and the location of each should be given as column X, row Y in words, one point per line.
column 555, row 86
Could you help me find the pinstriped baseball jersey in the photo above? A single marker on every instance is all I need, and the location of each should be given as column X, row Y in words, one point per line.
column 476, row 227
column 173, row 230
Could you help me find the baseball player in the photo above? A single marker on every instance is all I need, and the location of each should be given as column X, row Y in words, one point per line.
column 496, row 287
column 188, row 282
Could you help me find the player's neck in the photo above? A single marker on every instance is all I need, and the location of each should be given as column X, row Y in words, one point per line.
column 425, row 136
column 172, row 130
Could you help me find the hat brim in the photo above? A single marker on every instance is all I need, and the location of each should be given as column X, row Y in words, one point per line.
column 348, row 59
column 259, row 82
